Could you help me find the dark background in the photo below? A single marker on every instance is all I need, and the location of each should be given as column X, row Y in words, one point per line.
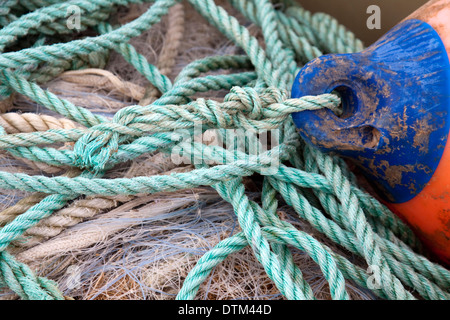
column 352, row 14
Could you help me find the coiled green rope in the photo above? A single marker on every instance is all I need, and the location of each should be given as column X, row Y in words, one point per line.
column 319, row 187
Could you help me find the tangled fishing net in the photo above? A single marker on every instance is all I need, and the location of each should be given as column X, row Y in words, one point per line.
column 121, row 178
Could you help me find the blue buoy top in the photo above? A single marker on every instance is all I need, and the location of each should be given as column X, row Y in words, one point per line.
column 395, row 99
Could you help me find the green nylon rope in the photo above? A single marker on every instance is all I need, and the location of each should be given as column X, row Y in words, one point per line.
column 319, row 187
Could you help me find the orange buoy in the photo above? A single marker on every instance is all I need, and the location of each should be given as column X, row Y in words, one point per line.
column 396, row 119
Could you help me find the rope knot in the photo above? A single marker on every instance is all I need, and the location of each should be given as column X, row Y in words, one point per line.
column 254, row 102
column 94, row 149
column 243, row 107
column 248, row 99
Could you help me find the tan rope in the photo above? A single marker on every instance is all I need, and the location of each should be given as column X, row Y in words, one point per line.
column 166, row 61
column 174, row 35
column 39, row 166
column 26, row 203
column 82, row 237
column 75, row 213
column 169, row 51
column 98, row 78
column 31, row 122
column 20, row 207
column 85, row 237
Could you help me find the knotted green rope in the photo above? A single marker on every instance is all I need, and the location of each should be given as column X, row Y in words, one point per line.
column 319, row 187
